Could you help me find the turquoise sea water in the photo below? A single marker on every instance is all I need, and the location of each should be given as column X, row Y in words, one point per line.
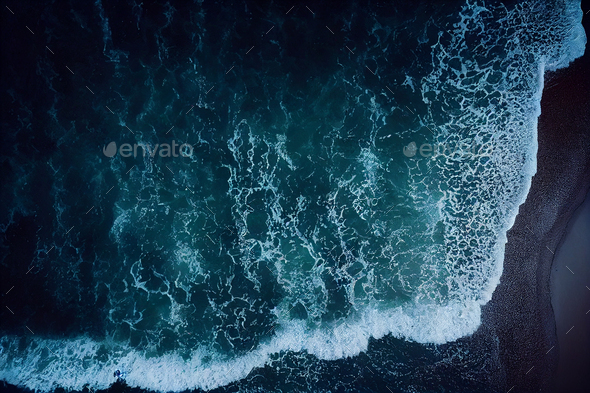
column 354, row 171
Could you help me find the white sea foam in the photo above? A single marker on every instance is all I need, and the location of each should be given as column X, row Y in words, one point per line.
column 72, row 364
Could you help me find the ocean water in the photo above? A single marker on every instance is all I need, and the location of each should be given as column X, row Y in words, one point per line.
column 335, row 220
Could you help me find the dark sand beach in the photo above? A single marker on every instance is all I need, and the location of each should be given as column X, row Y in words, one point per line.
column 520, row 312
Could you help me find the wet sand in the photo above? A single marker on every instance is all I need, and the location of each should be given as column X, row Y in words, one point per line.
column 570, row 298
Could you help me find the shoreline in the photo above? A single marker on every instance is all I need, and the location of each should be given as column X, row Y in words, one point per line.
column 520, row 313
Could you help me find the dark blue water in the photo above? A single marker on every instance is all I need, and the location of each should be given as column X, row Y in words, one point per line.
column 265, row 197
